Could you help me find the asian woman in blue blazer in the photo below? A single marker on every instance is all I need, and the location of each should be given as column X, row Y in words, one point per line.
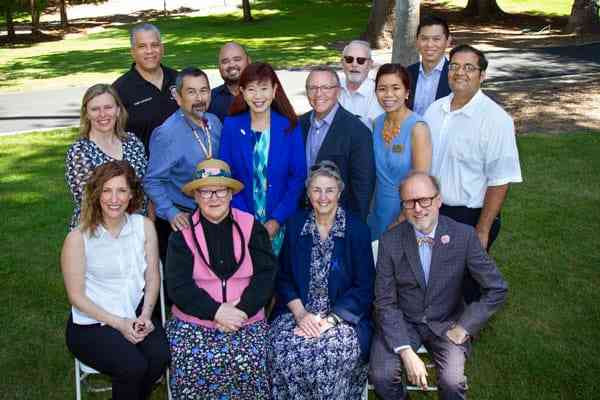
column 262, row 143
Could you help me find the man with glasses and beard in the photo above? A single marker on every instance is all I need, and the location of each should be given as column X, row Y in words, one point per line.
column 357, row 93
column 418, row 295
column 233, row 59
column 186, row 138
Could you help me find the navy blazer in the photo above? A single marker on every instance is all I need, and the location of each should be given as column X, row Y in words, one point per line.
column 443, row 89
column 286, row 169
column 351, row 279
column 349, row 143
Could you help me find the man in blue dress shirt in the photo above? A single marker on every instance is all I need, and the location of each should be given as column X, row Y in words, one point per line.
column 186, row 138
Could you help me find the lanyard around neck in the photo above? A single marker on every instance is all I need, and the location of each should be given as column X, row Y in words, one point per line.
column 206, row 130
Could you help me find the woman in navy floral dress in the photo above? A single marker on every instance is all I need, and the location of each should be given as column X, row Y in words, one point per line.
column 322, row 328
column 102, row 139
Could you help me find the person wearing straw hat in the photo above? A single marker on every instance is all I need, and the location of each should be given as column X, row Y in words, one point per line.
column 220, row 275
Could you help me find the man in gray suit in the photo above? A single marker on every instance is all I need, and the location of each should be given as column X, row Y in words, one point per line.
column 418, row 295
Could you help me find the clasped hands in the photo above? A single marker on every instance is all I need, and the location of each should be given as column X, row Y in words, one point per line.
column 135, row 330
column 229, row 318
column 310, row 325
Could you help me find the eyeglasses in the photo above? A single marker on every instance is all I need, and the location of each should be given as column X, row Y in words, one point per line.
column 324, row 89
column 359, row 60
column 424, row 202
column 208, row 194
column 467, row 67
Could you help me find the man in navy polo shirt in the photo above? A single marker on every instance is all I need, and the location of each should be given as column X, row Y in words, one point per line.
column 232, row 61
column 148, row 88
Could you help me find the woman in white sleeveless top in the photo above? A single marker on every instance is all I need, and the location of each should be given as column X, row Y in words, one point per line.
column 110, row 268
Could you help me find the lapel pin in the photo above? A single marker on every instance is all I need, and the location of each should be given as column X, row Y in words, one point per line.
column 445, row 239
column 243, row 131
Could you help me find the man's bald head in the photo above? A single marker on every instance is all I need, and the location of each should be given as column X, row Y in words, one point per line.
column 233, row 59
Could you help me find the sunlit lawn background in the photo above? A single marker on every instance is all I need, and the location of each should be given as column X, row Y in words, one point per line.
column 542, row 345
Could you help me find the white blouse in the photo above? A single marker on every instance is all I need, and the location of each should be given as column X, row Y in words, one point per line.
column 114, row 270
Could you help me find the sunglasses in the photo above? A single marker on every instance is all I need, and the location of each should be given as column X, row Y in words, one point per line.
column 359, row 60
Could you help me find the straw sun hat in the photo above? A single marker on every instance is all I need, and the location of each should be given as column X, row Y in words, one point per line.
column 212, row 172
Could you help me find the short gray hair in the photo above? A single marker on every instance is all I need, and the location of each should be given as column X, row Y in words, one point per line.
column 327, row 169
column 323, row 68
column 420, row 174
column 358, row 43
column 144, row 27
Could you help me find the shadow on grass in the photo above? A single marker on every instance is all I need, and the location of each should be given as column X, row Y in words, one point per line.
column 285, row 33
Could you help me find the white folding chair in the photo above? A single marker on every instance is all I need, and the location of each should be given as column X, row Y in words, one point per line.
column 82, row 371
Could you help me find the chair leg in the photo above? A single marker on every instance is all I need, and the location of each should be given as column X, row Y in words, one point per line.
column 77, row 380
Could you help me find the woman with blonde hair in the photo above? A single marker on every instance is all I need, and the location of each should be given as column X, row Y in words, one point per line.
column 102, row 139
column 111, row 274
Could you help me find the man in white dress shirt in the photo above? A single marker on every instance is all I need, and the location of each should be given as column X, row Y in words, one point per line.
column 475, row 154
column 358, row 89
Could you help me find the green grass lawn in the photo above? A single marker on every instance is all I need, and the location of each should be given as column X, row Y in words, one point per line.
column 541, row 7
column 287, row 33
column 542, row 345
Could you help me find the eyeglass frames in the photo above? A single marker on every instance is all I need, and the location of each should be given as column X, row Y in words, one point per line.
column 424, row 202
column 359, row 60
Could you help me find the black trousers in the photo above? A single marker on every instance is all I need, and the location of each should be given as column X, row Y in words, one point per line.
column 163, row 231
column 470, row 216
column 134, row 368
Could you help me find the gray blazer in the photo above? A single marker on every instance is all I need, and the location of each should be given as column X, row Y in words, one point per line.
column 402, row 298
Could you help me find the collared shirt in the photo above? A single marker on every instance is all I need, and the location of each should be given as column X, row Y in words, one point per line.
column 363, row 102
column 147, row 106
column 473, row 147
column 114, row 270
column 220, row 101
column 425, row 252
column 427, row 86
column 316, row 134
column 174, row 162
column 425, row 257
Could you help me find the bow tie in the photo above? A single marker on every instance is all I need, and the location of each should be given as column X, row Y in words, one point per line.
column 425, row 240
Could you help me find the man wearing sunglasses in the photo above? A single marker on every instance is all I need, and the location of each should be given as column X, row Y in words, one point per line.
column 475, row 154
column 429, row 77
column 357, row 88
column 418, row 295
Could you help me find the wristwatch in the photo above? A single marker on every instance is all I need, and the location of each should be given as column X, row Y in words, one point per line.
column 333, row 319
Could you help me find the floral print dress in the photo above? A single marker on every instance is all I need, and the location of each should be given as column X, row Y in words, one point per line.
column 84, row 156
column 328, row 367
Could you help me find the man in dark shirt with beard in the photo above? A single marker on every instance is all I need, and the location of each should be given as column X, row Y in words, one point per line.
column 232, row 61
column 147, row 89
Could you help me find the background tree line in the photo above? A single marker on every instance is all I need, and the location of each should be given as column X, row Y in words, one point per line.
column 395, row 22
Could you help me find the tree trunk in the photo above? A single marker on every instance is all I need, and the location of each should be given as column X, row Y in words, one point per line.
column 35, row 17
column 247, row 11
column 484, row 9
column 407, row 21
column 64, row 21
column 10, row 25
column 584, row 17
column 165, row 7
column 380, row 28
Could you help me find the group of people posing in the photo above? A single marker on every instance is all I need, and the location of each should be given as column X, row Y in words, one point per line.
column 263, row 222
